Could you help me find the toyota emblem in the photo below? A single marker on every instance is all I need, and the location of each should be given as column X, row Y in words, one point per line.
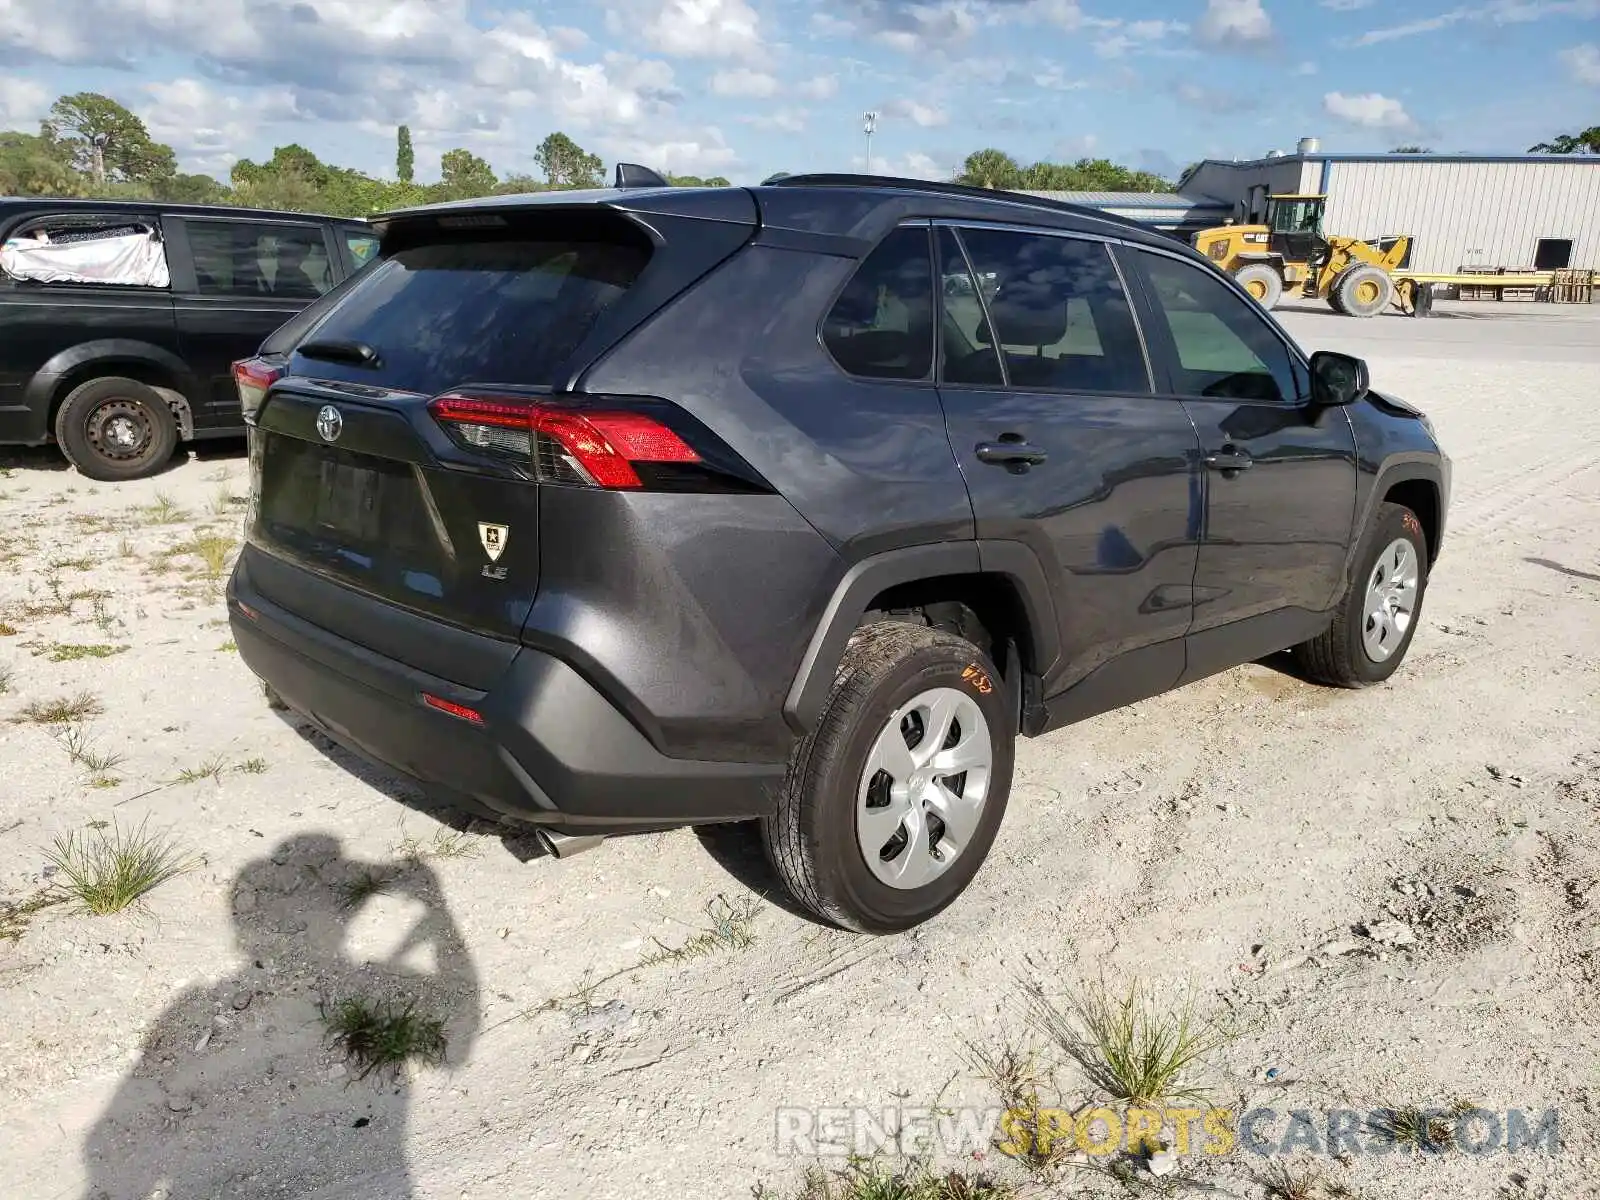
column 330, row 423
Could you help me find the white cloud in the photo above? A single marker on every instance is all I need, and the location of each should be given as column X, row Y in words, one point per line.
column 1235, row 23
column 1054, row 79
column 1496, row 12
column 1135, row 35
column 702, row 152
column 823, row 87
column 22, row 103
column 914, row 165
column 928, row 116
column 785, row 120
column 1370, row 110
column 1583, row 63
column 741, row 81
column 704, row 29
column 1307, row 68
column 1346, row 5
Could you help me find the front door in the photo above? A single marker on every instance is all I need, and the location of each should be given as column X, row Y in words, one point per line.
column 235, row 281
column 1280, row 483
column 1066, row 448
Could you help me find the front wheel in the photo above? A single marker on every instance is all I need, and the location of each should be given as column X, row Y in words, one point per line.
column 892, row 803
column 1375, row 622
column 114, row 429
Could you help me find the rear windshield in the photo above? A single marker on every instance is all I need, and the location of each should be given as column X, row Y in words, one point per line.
column 501, row 310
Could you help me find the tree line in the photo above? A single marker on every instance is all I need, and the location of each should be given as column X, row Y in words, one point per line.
column 91, row 146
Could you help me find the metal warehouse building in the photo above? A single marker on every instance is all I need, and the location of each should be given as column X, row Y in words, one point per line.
column 1464, row 211
column 1179, row 215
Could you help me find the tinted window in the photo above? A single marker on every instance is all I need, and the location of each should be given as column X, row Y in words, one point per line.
column 251, row 259
column 1222, row 346
column 962, row 358
column 500, row 311
column 1057, row 311
column 882, row 324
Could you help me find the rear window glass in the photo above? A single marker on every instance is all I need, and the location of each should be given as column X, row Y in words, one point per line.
column 493, row 311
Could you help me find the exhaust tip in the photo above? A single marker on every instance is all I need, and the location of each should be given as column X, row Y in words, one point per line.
column 562, row 845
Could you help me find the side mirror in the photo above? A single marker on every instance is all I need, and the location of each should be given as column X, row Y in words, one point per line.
column 1338, row 379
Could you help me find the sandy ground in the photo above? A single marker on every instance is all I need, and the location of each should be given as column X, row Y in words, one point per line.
column 1215, row 838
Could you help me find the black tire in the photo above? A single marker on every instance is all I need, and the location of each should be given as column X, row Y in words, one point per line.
column 1364, row 291
column 1339, row 656
column 1335, row 304
column 1254, row 277
column 114, row 429
column 811, row 839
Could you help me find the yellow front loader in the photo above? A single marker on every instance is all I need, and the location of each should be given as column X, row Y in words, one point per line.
column 1290, row 254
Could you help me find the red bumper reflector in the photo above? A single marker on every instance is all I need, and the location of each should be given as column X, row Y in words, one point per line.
column 250, row 612
column 454, row 709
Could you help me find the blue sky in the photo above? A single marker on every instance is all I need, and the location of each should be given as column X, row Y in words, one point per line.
column 747, row 87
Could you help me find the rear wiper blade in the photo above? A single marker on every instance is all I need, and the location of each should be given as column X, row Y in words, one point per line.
column 358, row 353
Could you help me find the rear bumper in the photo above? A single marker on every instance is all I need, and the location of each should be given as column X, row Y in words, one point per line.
column 551, row 751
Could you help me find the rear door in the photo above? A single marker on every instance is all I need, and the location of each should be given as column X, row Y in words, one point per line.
column 234, row 281
column 1066, row 448
column 1280, row 484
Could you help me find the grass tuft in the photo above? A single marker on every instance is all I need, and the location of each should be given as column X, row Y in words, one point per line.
column 383, row 1037
column 732, row 928
column 1283, row 1182
column 369, row 883
column 74, row 652
column 212, row 769
column 1014, row 1072
column 212, row 549
column 872, row 1179
column 164, row 511
column 64, row 710
column 5, row 679
column 16, row 915
column 446, row 843
column 76, row 743
column 106, row 870
column 1411, row 1128
column 252, row 766
column 1127, row 1044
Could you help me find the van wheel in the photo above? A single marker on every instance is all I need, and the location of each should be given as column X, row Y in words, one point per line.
column 113, row 429
column 892, row 802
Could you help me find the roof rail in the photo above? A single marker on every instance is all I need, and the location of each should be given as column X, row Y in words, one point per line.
column 632, row 175
column 945, row 189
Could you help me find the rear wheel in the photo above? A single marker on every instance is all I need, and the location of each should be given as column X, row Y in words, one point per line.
column 1375, row 622
column 113, row 429
column 1263, row 283
column 1364, row 291
column 892, row 802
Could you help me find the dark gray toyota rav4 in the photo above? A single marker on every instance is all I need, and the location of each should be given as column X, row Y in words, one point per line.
column 627, row 509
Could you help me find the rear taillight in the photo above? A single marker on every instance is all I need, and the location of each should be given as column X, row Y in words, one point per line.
column 460, row 711
column 253, row 376
column 599, row 447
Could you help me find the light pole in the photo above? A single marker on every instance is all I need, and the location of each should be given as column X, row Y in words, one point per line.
column 869, row 122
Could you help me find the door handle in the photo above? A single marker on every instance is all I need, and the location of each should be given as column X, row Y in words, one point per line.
column 1010, row 454
column 1230, row 460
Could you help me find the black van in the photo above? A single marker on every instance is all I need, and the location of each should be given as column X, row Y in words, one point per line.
column 120, row 321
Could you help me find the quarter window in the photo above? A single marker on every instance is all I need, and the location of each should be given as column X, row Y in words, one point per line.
column 249, row 259
column 881, row 327
column 1057, row 312
column 1221, row 345
column 362, row 247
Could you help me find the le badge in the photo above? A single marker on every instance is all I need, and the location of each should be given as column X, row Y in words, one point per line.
column 493, row 538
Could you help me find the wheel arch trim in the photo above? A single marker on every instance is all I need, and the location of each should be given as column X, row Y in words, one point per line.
column 1405, row 468
column 46, row 386
column 867, row 578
